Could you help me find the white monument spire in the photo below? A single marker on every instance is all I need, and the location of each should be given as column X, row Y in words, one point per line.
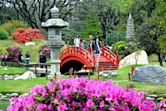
column 130, row 28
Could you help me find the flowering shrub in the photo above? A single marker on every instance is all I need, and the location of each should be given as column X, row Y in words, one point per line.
column 22, row 35
column 13, row 52
column 47, row 51
column 81, row 94
column 162, row 106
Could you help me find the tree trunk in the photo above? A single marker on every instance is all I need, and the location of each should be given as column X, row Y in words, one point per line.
column 159, row 59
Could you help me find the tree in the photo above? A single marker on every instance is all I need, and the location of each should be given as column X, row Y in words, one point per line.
column 6, row 12
column 37, row 11
column 159, row 18
column 153, row 30
column 148, row 39
column 92, row 24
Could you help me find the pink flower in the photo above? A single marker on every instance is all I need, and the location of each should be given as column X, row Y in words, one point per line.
column 90, row 103
column 62, row 107
column 41, row 107
column 162, row 105
column 86, row 109
column 147, row 106
column 102, row 104
column 77, row 94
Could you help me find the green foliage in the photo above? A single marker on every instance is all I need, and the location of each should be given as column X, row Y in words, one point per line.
column 148, row 38
column 2, row 51
column 162, row 44
column 92, row 24
column 4, row 104
column 3, row 34
column 119, row 46
column 159, row 19
column 68, row 35
column 122, row 5
column 114, row 36
column 11, row 26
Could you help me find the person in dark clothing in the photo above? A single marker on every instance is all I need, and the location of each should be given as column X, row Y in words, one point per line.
column 97, row 44
column 42, row 59
column 163, row 57
column 27, row 57
column 4, row 60
column 20, row 57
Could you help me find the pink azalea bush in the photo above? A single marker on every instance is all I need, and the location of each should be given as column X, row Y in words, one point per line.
column 81, row 94
column 13, row 52
column 162, row 106
column 46, row 51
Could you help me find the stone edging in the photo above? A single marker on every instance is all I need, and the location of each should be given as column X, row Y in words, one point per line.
column 8, row 76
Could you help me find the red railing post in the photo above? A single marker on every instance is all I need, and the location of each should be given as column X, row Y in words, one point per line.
column 117, row 60
column 102, row 49
column 98, row 72
column 74, row 73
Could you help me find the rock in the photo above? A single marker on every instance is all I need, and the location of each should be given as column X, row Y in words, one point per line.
column 139, row 57
column 1, row 94
column 160, row 99
column 150, row 74
column 7, row 95
column 29, row 43
column 149, row 98
column 153, row 96
column 163, row 95
column 26, row 75
column 16, row 75
column 3, row 97
column 25, row 94
column 105, row 74
column 8, row 77
column 14, row 95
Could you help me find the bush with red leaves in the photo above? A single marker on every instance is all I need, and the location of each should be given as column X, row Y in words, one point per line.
column 23, row 35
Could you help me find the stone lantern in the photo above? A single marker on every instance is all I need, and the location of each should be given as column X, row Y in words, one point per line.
column 55, row 42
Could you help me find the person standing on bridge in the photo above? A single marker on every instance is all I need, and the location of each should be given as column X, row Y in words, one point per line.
column 90, row 43
column 83, row 43
column 97, row 44
column 77, row 41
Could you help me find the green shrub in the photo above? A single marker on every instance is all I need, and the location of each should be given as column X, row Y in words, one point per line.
column 3, row 51
column 11, row 26
column 3, row 34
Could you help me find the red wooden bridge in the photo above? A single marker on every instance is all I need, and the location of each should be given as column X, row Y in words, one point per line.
column 76, row 57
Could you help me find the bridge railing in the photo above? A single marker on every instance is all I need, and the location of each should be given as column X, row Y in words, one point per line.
column 73, row 50
column 110, row 55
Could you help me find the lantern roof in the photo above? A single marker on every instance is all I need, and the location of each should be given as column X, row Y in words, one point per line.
column 54, row 21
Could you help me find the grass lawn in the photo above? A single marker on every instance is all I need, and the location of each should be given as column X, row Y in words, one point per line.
column 20, row 86
column 12, row 70
column 23, row 86
column 3, row 105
